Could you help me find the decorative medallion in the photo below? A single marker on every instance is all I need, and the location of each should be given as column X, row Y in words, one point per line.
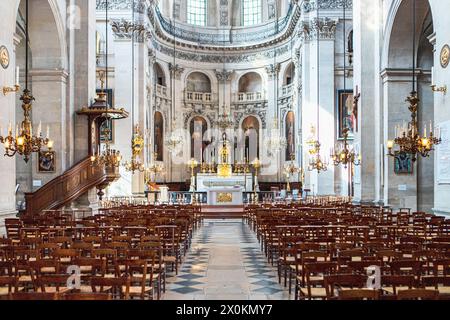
column 224, row 197
column 445, row 56
column 4, row 57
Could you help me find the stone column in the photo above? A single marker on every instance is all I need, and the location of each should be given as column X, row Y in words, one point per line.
column 8, row 165
column 82, row 89
column 366, row 18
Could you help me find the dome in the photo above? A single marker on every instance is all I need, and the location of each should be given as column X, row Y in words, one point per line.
column 224, row 13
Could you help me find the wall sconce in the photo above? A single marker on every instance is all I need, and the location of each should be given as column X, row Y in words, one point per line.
column 16, row 87
column 434, row 87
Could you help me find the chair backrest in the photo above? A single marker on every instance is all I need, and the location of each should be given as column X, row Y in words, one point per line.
column 88, row 296
column 333, row 283
column 359, row 294
column 119, row 286
column 418, row 294
column 33, row 296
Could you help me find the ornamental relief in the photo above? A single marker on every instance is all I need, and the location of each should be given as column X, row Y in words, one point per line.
column 124, row 29
column 139, row 5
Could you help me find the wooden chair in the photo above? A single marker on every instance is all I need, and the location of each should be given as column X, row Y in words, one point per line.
column 118, row 287
column 141, row 278
column 315, row 273
column 334, row 283
column 391, row 284
column 418, row 294
column 8, row 285
column 52, row 283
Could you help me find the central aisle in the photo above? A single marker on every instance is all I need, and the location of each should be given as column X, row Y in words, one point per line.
column 225, row 263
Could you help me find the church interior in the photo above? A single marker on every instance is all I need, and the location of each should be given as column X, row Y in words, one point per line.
column 224, row 150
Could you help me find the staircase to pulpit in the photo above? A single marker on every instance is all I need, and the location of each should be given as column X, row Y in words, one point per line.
column 69, row 186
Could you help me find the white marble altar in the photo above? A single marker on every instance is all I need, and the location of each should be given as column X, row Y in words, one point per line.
column 206, row 181
column 225, row 196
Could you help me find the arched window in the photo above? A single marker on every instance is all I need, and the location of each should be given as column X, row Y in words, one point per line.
column 251, row 12
column 196, row 12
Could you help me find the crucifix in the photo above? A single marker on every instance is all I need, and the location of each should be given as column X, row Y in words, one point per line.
column 356, row 97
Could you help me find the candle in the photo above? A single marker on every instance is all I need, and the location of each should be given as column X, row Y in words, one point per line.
column 48, row 131
column 40, row 129
column 17, row 75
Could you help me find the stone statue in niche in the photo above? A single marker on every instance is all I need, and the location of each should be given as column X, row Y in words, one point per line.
column 271, row 11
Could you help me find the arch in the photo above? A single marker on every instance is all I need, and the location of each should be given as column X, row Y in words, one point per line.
column 198, row 81
column 158, row 135
column 250, row 82
column 397, row 43
column 159, row 74
column 251, row 127
column 197, row 128
column 49, row 47
column 289, row 74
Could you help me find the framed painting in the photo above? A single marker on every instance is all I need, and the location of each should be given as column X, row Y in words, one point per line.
column 403, row 164
column 46, row 162
column 346, row 115
column 107, row 128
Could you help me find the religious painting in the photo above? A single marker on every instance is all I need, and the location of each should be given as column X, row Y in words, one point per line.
column 290, row 135
column 46, row 162
column 403, row 164
column 198, row 127
column 107, row 128
column 158, row 136
column 250, row 127
column 346, row 115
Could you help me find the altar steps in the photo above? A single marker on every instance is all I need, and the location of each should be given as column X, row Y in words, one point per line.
column 223, row 212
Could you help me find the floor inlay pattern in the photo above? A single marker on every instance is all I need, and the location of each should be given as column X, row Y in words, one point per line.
column 225, row 262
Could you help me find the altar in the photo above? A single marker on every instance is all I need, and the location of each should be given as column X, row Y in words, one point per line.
column 224, row 190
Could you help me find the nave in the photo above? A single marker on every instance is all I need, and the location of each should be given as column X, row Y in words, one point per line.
column 225, row 262
column 322, row 248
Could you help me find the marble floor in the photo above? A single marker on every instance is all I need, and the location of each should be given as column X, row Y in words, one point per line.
column 225, row 262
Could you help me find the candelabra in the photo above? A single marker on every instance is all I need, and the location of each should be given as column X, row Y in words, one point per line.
column 344, row 155
column 192, row 164
column 316, row 162
column 110, row 158
column 22, row 141
column 153, row 169
column 137, row 144
column 290, row 169
column 408, row 138
column 256, row 164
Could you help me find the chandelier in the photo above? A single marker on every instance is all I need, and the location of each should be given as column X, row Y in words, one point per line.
column 275, row 142
column 22, row 141
column 154, row 169
column 174, row 141
column 137, row 145
column 110, row 158
column 344, row 154
column 407, row 138
column 225, row 121
column 316, row 162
